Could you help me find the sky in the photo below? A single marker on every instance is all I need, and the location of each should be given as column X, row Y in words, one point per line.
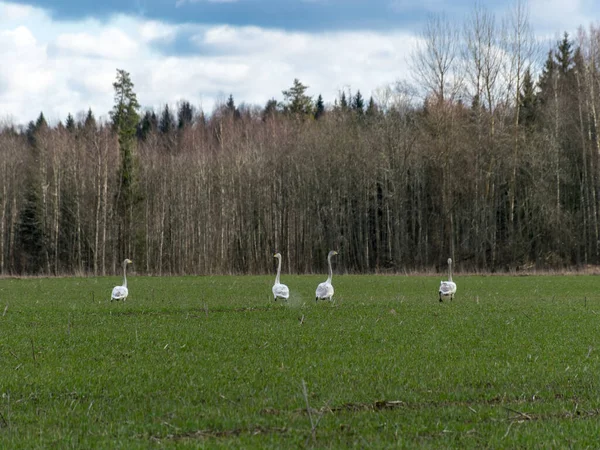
column 60, row 57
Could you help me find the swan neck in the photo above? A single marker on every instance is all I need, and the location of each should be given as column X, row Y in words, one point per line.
column 278, row 270
column 449, row 271
column 125, row 274
column 330, row 271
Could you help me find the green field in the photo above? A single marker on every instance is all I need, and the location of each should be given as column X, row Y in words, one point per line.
column 214, row 362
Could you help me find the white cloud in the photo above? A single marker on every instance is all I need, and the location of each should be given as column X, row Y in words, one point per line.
column 66, row 67
column 13, row 11
column 151, row 31
column 110, row 43
column 61, row 67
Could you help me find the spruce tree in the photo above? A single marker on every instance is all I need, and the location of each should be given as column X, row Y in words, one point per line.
column 70, row 123
column 527, row 115
column 296, row 101
column 371, row 108
column 125, row 120
column 270, row 109
column 148, row 124
column 319, row 107
column 564, row 55
column 167, row 122
column 546, row 80
column 343, row 102
column 185, row 114
column 90, row 120
column 358, row 103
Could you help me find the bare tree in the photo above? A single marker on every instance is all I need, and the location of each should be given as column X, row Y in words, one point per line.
column 435, row 61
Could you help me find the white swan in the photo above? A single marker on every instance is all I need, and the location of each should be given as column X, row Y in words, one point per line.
column 280, row 290
column 448, row 288
column 121, row 292
column 325, row 289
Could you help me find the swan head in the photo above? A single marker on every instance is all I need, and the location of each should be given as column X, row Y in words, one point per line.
column 332, row 253
column 128, row 261
column 449, row 261
column 277, row 255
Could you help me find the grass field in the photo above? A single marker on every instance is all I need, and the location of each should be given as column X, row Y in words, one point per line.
column 214, row 362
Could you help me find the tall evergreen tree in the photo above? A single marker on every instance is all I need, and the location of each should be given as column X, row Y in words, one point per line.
column 125, row 120
column 185, row 114
column 41, row 123
column 90, row 121
column 372, row 109
column 271, row 108
column 343, row 101
column 31, row 218
column 230, row 105
column 546, row 80
column 319, row 107
column 296, row 101
column 358, row 103
column 148, row 123
column 167, row 122
column 70, row 123
column 527, row 115
column 564, row 55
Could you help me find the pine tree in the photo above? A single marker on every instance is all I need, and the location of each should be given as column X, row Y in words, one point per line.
column 125, row 111
column 527, row 115
column 230, row 105
column 343, row 102
column 564, row 55
column 70, row 123
column 270, row 110
column 167, row 122
column 90, row 121
column 125, row 120
column 546, row 80
column 41, row 123
column 319, row 107
column 185, row 114
column 358, row 103
column 372, row 109
column 148, row 124
column 31, row 217
column 296, row 101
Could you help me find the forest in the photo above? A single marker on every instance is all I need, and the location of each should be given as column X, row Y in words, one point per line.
column 489, row 155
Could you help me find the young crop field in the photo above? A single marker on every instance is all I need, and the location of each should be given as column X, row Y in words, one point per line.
column 193, row 362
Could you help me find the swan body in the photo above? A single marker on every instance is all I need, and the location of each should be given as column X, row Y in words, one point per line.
column 325, row 290
column 280, row 290
column 448, row 288
column 121, row 292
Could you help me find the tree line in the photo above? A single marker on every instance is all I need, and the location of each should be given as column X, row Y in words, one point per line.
column 487, row 156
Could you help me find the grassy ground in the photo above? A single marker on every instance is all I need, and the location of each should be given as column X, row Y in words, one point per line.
column 214, row 362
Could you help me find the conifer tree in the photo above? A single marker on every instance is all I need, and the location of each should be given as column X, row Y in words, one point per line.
column 358, row 103
column 371, row 108
column 90, row 121
column 125, row 120
column 296, row 101
column 167, row 123
column 343, row 102
column 185, row 114
column 545, row 81
column 270, row 109
column 148, row 123
column 319, row 107
column 564, row 55
column 528, row 101
column 70, row 123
